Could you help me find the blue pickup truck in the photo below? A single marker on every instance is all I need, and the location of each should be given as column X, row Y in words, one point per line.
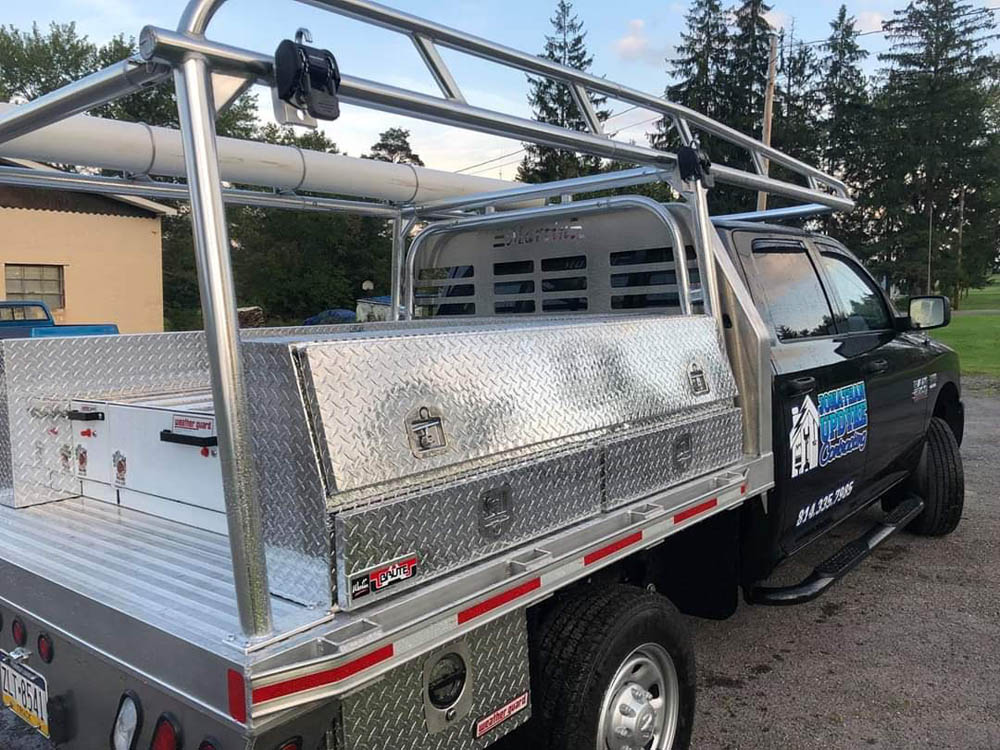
column 32, row 319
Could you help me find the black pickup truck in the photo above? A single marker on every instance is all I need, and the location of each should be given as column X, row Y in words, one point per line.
column 867, row 406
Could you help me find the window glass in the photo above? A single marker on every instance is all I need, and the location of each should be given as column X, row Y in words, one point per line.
column 864, row 309
column 795, row 298
column 36, row 283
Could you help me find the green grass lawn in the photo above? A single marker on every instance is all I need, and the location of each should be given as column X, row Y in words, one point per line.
column 987, row 298
column 976, row 338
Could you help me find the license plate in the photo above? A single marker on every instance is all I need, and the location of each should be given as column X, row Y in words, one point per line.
column 25, row 692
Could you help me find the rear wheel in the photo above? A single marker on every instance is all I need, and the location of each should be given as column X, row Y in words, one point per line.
column 613, row 669
column 940, row 481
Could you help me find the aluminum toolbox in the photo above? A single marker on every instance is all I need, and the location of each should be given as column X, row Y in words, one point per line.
column 426, row 450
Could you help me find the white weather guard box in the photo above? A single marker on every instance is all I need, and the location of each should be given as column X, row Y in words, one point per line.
column 157, row 454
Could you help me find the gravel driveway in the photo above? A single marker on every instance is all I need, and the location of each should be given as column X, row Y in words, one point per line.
column 904, row 653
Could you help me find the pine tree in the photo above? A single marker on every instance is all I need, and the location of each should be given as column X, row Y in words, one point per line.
column 701, row 58
column 846, row 130
column 740, row 97
column 394, row 145
column 553, row 103
column 798, row 100
column 845, row 96
column 934, row 137
column 746, row 74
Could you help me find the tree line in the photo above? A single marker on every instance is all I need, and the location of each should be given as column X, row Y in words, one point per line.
column 917, row 141
column 292, row 264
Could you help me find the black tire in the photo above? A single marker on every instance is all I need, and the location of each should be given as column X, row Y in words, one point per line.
column 579, row 647
column 940, row 481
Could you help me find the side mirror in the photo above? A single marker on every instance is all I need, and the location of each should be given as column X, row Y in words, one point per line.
column 929, row 312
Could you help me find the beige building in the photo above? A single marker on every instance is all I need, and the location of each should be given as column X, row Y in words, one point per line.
column 91, row 258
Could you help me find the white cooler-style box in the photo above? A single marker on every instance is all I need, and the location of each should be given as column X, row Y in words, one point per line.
column 156, row 454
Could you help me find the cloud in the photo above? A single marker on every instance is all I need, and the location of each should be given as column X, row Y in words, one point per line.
column 635, row 45
column 778, row 19
column 870, row 20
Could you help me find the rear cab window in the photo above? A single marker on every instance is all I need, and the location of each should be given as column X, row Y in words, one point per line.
column 792, row 292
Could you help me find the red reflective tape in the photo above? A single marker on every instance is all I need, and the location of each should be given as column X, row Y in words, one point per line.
column 697, row 510
column 237, row 696
column 488, row 605
column 319, row 679
column 621, row 544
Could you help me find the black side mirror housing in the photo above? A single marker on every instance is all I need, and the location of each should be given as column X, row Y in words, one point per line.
column 929, row 312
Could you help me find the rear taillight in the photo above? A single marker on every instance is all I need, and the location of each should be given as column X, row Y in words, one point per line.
column 19, row 632
column 128, row 722
column 46, row 650
column 209, row 744
column 167, row 735
column 293, row 744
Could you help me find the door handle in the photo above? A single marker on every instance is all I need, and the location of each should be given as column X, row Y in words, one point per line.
column 876, row 366
column 209, row 441
column 798, row 386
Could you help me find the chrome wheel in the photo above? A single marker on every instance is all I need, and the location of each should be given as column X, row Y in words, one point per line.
column 641, row 706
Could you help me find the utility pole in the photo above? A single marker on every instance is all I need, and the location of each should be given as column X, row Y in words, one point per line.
column 772, row 75
column 930, row 239
column 956, row 303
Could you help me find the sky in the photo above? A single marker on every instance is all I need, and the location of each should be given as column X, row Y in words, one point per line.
column 629, row 41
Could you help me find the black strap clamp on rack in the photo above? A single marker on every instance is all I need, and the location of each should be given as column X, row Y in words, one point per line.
column 695, row 165
column 307, row 78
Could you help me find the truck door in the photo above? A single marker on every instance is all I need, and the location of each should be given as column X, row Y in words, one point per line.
column 820, row 399
column 893, row 364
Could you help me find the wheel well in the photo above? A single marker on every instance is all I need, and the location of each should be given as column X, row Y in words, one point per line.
column 949, row 408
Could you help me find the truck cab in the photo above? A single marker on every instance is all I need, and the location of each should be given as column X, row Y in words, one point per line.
column 33, row 319
column 855, row 386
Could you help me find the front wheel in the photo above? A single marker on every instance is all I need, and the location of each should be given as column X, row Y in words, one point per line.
column 940, row 481
column 614, row 669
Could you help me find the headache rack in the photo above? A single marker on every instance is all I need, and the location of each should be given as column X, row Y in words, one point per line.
column 208, row 76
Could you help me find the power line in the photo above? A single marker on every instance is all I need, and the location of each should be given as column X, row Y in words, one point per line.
column 518, row 161
column 885, row 25
column 521, row 150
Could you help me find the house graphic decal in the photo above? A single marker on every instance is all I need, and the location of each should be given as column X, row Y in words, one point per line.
column 803, row 439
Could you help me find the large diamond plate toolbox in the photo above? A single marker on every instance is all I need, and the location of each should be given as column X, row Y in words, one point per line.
column 405, row 452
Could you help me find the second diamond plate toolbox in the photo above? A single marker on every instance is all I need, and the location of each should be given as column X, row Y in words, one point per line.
column 415, row 451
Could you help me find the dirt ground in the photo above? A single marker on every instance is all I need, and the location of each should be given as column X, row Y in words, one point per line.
column 904, row 653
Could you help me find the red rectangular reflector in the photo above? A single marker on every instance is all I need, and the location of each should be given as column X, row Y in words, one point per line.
column 488, row 605
column 237, row 696
column 621, row 544
column 697, row 510
column 319, row 679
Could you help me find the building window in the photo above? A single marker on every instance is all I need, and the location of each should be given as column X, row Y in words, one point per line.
column 43, row 283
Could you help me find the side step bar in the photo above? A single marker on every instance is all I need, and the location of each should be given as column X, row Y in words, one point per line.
column 840, row 563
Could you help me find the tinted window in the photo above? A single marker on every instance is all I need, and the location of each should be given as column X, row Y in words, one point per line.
column 795, row 298
column 864, row 309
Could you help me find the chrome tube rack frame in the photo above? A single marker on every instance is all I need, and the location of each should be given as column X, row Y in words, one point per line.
column 208, row 75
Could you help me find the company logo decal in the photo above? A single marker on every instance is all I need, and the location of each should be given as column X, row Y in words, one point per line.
column 557, row 231
column 829, row 428
column 489, row 723
column 383, row 577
